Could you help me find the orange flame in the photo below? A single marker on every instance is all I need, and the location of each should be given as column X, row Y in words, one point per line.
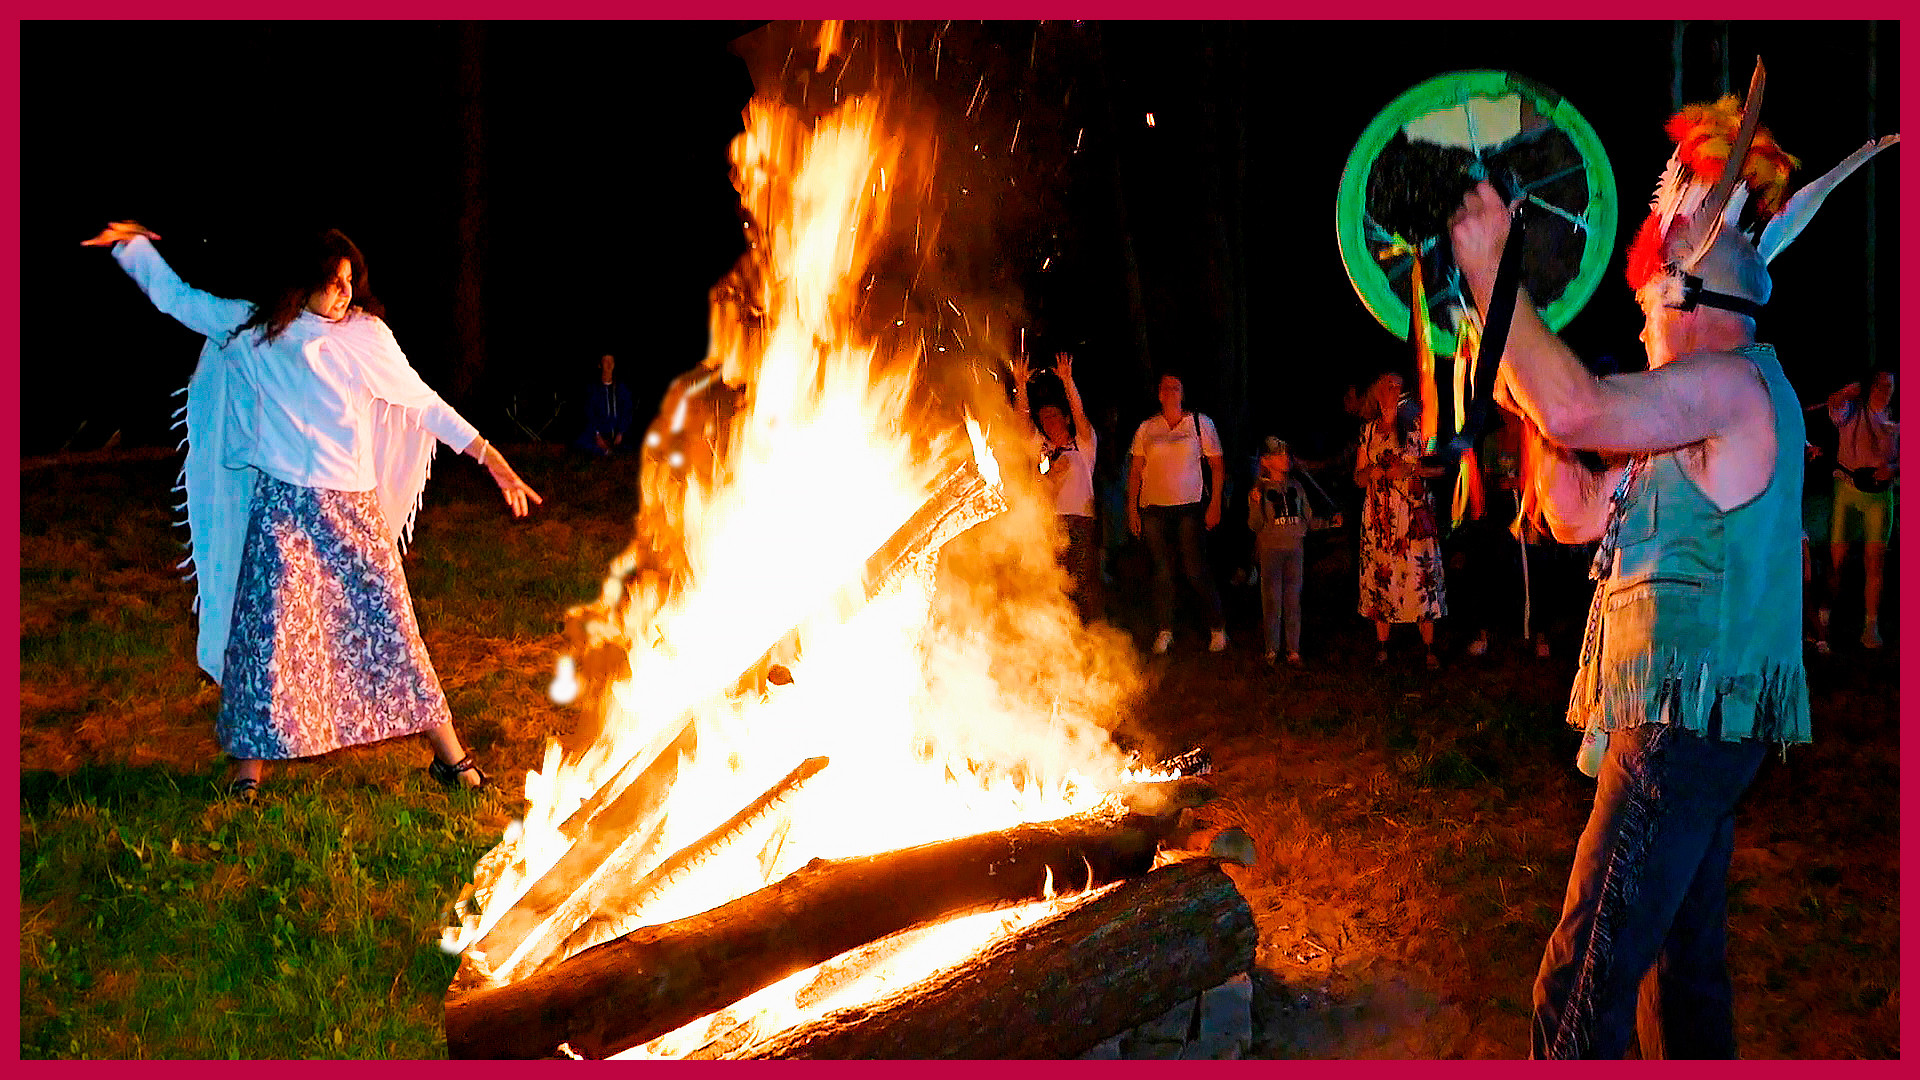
column 963, row 697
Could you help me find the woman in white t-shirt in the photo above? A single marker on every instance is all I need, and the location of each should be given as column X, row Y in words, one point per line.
column 1066, row 448
column 1169, row 506
column 309, row 438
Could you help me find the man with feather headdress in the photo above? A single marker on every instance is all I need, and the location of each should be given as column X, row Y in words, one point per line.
column 1691, row 664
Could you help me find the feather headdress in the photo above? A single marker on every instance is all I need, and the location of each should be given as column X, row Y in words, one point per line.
column 1704, row 137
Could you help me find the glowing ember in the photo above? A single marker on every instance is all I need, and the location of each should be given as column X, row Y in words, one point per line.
column 946, row 697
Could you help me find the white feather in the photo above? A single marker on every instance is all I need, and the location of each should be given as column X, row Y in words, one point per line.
column 1793, row 217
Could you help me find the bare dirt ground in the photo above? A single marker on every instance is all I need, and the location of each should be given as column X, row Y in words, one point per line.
column 1415, row 831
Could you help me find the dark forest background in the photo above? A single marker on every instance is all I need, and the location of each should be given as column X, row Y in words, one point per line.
column 530, row 195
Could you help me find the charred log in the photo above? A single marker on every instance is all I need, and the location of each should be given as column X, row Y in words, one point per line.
column 1058, row 988
column 628, row 991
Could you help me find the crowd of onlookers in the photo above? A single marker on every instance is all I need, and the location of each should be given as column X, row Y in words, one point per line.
column 1159, row 521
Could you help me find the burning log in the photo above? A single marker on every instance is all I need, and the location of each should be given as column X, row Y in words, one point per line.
column 618, row 826
column 1058, row 988
column 626, row 832
column 630, row 990
column 685, row 861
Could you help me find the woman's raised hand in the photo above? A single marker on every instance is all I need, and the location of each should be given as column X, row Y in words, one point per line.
column 118, row 231
column 1021, row 371
column 1063, row 366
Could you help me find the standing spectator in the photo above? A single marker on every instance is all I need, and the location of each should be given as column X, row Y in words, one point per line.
column 1816, row 525
column 1493, row 586
column 1863, row 491
column 1279, row 515
column 609, row 414
column 1171, row 506
column 1401, row 580
column 1067, row 448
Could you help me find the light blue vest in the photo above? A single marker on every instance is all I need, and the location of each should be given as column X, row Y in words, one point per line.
column 1698, row 624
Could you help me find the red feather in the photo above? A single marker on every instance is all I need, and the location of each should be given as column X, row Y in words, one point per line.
column 1705, row 134
column 1645, row 257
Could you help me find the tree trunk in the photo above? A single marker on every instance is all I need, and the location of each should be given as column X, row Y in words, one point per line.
column 628, row 991
column 470, row 283
column 1058, row 988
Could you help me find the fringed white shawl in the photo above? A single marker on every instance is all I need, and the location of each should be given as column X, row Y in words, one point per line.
column 221, row 466
column 219, row 473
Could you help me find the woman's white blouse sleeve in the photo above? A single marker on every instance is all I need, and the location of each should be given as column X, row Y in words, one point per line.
column 202, row 312
column 391, row 378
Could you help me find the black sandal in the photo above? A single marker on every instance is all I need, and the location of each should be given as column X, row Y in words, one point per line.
column 243, row 789
column 449, row 775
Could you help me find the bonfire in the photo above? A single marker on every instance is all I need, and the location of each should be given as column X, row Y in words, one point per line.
column 844, row 730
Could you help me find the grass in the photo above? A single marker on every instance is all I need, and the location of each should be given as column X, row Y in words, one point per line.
column 159, row 920
column 1414, row 830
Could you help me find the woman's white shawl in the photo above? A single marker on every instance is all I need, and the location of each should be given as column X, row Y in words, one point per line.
column 219, row 473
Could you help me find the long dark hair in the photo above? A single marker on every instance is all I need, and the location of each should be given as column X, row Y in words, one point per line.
column 302, row 274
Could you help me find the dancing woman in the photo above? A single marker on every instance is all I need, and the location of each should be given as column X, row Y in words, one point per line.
column 309, row 441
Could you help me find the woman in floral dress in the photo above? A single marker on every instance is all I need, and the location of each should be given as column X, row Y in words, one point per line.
column 1400, row 571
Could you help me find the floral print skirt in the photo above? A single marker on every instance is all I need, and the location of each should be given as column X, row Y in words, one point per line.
column 1401, row 577
column 324, row 650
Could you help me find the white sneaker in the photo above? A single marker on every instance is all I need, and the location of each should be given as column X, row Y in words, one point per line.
column 1162, row 643
column 1218, row 642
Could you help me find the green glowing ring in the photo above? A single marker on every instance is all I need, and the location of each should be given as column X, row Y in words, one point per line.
column 1444, row 91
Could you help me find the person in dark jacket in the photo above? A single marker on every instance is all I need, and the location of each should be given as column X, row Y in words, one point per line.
column 609, row 409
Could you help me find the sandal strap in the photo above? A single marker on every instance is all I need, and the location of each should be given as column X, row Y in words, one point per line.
column 450, row 774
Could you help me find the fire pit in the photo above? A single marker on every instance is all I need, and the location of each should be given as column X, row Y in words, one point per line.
column 848, row 791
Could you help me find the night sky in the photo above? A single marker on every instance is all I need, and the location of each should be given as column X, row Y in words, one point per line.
column 530, row 195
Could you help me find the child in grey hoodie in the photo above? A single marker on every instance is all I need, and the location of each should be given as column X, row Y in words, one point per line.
column 1278, row 514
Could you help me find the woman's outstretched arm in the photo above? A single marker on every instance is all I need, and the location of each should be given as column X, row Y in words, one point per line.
column 202, row 312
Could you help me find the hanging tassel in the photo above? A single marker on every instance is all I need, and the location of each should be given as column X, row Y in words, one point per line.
column 1418, row 333
column 1469, row 494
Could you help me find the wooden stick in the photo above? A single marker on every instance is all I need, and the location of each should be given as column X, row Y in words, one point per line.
column 567, row 896
column 676, row 866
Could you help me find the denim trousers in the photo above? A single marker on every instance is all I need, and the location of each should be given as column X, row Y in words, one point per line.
column 1282, row 574
column 1180, row 532
column 1642, row 940
column 1081, row 560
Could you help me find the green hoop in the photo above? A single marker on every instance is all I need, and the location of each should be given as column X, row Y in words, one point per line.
column 1602, row 216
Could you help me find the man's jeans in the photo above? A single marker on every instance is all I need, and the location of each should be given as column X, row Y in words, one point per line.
column 1646, row 908
column 1182, row 528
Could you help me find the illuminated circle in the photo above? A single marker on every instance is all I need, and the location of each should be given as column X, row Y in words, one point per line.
column 1557, row 155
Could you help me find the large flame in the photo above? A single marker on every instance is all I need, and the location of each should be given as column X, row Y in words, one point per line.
column 954, row 701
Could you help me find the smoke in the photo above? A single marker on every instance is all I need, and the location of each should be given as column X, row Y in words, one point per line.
column 1022, row 685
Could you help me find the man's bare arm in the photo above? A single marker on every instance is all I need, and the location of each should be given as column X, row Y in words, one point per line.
column 1678, row 404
